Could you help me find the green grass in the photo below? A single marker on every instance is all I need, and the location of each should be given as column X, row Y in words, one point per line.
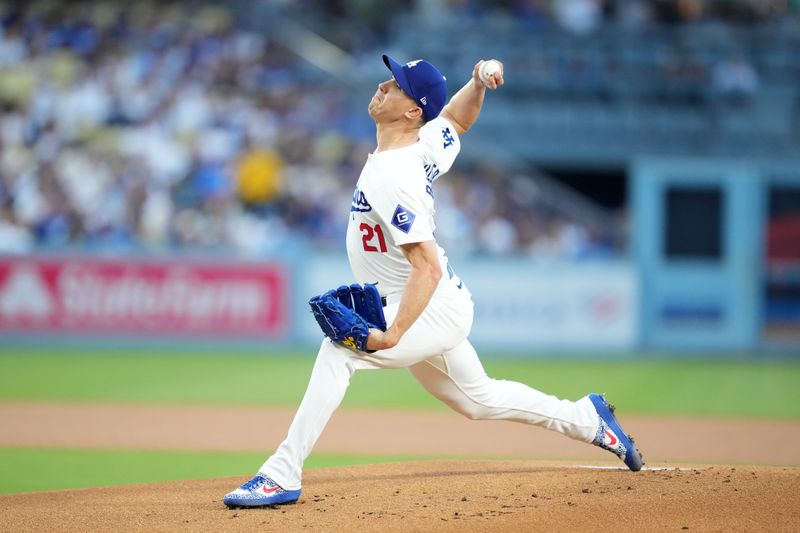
column 766, row 389
column 32, row 470
column 728, row 388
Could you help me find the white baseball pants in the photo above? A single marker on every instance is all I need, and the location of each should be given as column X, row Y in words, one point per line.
column 437, row 353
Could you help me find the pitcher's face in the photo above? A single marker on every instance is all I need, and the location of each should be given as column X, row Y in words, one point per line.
column 390, row 102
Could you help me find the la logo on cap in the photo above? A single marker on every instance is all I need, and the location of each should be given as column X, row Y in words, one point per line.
column 412, row 64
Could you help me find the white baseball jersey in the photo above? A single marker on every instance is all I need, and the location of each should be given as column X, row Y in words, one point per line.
column 393, row 205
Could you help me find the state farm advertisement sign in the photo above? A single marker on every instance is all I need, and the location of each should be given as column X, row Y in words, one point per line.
column 160, row 297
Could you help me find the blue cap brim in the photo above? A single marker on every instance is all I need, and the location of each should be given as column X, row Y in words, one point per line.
column 399, row 75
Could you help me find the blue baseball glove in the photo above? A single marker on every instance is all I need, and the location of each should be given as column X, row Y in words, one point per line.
column 346, row 314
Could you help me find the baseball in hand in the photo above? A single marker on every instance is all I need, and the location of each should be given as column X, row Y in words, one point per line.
column 487, row 70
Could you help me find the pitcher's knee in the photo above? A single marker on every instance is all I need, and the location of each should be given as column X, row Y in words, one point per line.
column 466, row 407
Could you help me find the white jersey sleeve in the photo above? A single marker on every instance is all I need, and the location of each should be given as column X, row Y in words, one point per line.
column 407, row 209
column 442, row 145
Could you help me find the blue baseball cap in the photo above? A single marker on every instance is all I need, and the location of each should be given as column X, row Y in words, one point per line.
column 423, row 82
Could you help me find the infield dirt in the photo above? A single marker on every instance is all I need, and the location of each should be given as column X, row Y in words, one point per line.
column 440, row 496
column 678, row 494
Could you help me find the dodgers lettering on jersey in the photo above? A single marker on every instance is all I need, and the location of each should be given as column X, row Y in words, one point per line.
column 393, row 205
column 431, row 173
column 360, row 203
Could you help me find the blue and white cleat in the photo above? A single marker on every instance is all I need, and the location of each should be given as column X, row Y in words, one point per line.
column 260, row 491
column 611, row 437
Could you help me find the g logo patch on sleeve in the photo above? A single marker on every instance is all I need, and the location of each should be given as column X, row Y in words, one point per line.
column 403, row 219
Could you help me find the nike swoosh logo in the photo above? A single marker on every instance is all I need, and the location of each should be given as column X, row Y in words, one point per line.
column 612, row 437
column 270, row 490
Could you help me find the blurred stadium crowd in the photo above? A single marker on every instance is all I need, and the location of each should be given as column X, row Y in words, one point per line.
column 159, row 126
column 339, row 18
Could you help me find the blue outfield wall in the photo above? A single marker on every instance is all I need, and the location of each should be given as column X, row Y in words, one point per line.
column 521, row 307
column 700, row 254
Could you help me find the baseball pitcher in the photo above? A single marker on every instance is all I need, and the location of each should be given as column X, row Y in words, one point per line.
column 406, row 282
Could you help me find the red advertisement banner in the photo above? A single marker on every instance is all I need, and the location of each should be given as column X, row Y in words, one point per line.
column 163, row 297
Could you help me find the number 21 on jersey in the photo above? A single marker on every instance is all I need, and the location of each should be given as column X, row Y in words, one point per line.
column 369, row 233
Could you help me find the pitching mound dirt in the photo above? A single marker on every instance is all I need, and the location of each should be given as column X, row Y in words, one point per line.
column 440, row 496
